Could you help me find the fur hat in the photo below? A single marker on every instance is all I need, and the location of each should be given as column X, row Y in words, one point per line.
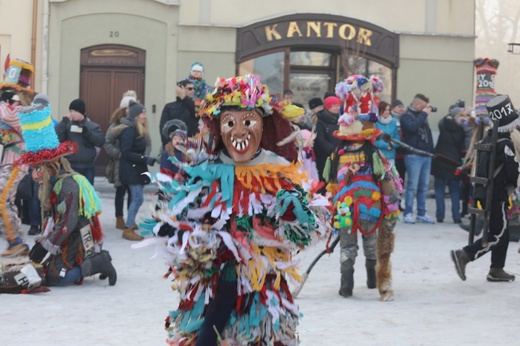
column 331, row 101
column 315, row 102
column 172, row 126
column 501, row 108
column 78, row 105
column 134, row 109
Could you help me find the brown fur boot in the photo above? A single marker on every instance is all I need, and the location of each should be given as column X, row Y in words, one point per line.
column 129, row 234
column 385, row 247
column 120, row 222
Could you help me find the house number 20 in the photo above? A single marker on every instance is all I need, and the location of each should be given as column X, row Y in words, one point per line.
column 113, row 34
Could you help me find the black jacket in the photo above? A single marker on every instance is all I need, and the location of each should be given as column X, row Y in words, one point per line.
column 183, row 110
column 451, row 144
column 87, row 140
column 133, row 159
column 325, row 143
column 416, row 130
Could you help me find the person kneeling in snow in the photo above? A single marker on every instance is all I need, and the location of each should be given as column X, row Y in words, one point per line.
column 72, row 233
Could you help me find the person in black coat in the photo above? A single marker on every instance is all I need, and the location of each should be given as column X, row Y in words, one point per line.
column 134, row 162
column 451, row 145
column 183, row 109
column 325, row 143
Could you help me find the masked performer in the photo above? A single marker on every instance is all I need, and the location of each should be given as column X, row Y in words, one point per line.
column 230, row 231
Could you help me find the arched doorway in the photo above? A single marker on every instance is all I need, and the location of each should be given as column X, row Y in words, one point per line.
column 107, row 71
column 309, row 53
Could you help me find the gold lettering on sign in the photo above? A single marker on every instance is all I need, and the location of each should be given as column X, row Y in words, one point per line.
column 270, row 33
column 344, row 31
column 314, row 26
column 330, row 29
column 351, row 32
column 364, row 36
column 293, row 28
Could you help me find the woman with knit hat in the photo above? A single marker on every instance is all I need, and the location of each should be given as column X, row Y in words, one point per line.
column 231, row 229
column 112, row 149
column 134, row 160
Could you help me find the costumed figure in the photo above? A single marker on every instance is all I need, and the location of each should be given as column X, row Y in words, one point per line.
column 70, row 245
column 15, row 85
column 368, row 187
column 230, row 231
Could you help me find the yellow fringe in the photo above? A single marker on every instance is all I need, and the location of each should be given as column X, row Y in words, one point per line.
column 263, row 173
column 3, row 201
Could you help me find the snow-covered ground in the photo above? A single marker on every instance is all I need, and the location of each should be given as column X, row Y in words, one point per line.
column 432, row 306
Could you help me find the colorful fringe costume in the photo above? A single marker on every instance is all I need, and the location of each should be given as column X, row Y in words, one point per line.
column 229, row 233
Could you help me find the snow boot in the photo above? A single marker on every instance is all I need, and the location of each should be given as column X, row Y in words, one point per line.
column 371, row 273
column 129, row 234
column 347, row 282
column 100, row 264
column 461, row 259
column 120, row 222
column 499, row 275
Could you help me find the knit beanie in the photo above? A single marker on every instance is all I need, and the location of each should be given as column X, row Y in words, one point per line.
column 135, row 109
column 172, row 126
column 331, row 101
column 197, row 66
column 41, row 99
column 77, row 105
column 396, row 103
column 125, row 101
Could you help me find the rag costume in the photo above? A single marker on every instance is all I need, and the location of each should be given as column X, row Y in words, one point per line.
column 230, row 231
column 366, row 189
column 72, row 232
column 11, row 147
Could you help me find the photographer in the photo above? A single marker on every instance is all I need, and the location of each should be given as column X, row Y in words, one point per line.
column 183, row 108
column 417, row 134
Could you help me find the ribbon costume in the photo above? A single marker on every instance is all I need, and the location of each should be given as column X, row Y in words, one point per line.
column 366, row 189
column 229, row 232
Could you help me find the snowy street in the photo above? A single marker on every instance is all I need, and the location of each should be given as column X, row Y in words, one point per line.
column 432, row 306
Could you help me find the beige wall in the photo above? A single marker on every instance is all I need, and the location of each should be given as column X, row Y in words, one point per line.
column 147, row 25
column 16, row 28
column 437, row 40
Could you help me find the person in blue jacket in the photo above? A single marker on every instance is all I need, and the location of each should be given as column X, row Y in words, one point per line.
column 388, row 125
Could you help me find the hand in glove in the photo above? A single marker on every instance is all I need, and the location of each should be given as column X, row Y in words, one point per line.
column 150, row 161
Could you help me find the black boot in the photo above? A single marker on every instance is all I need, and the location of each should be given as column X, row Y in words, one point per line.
column 100, row 264
column 371, row 273
column 34, row 230
column 347, row 282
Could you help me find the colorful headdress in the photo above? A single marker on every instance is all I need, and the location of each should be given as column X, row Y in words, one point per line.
column 18, row 75
column 41, row 140
column 486, row 70
column 245, row 92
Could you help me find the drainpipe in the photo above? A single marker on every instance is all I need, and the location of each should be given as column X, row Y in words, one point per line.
column 33, row 34
column 45, row 47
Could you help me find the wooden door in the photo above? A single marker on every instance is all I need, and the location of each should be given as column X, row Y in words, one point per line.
column 108, row 71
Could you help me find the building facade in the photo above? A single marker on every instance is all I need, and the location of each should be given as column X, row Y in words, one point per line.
column 97, row 49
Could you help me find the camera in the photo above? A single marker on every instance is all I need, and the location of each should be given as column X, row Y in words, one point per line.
column 461, row 103
column 434, row 109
